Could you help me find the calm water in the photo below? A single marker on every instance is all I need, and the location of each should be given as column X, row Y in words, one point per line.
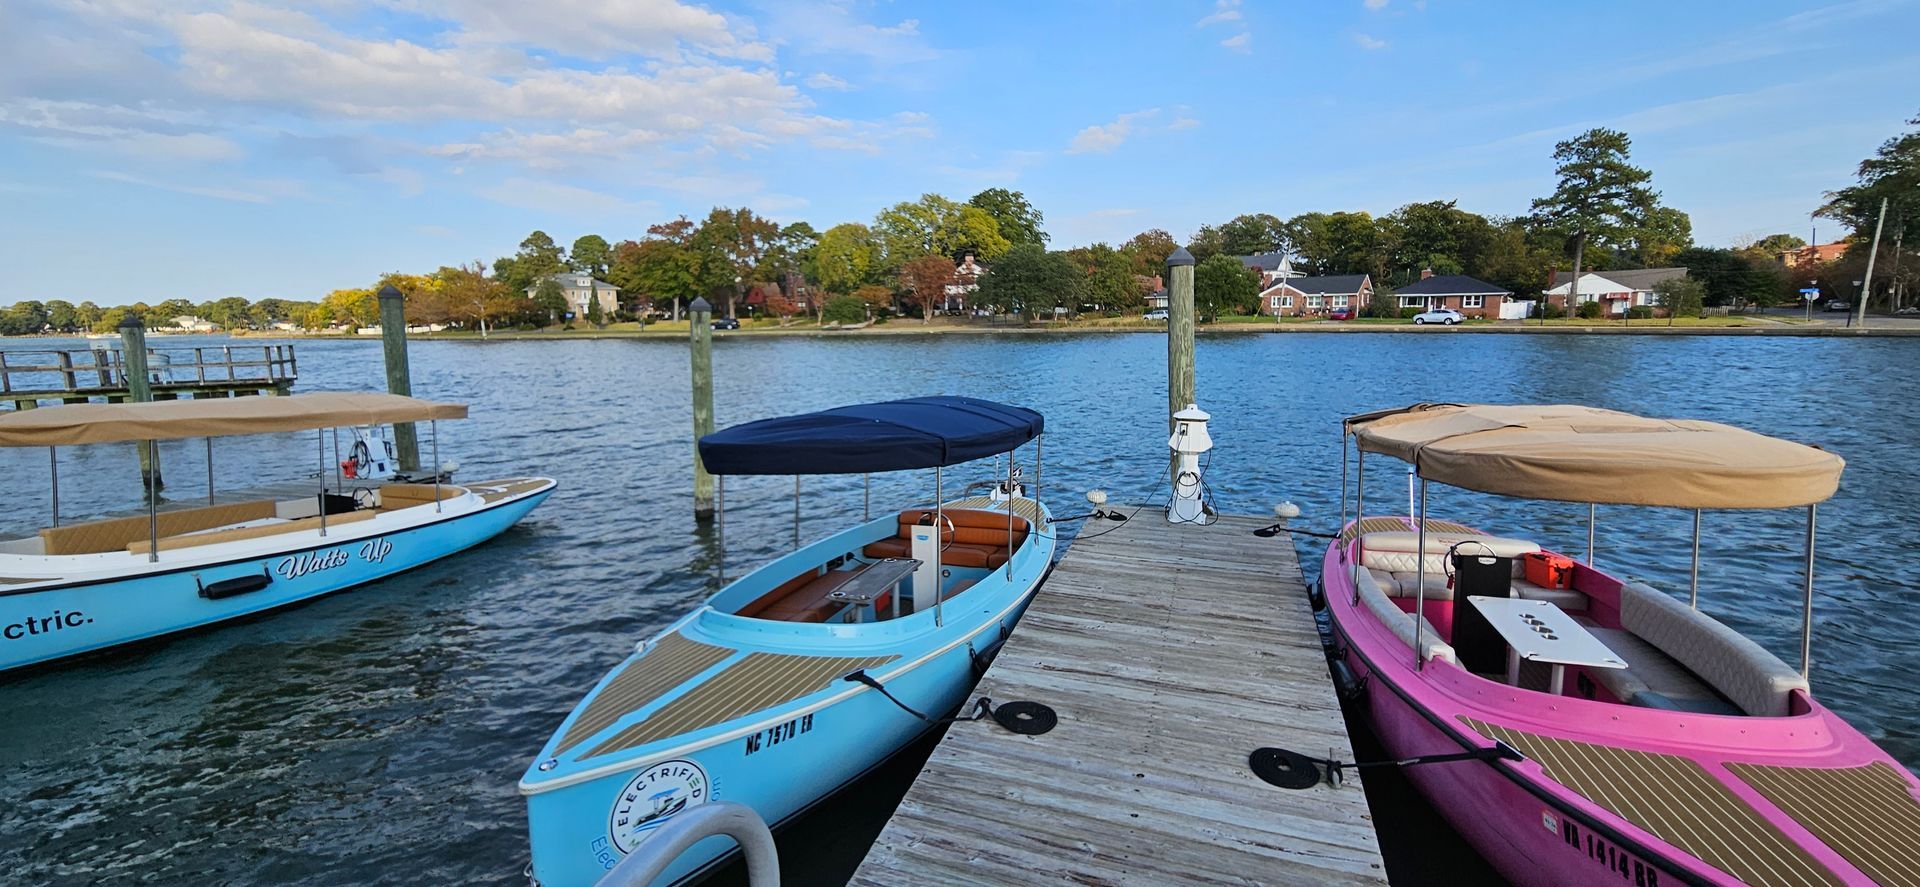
column 377, row 735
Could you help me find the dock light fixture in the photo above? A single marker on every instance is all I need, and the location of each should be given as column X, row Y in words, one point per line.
column 1188, row 442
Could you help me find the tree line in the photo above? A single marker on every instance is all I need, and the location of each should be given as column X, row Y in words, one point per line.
column 1602, row 215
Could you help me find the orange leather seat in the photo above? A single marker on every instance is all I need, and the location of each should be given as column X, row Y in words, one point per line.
column 978, row 538
column 800, row 599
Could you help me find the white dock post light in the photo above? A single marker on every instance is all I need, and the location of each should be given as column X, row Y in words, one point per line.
column 1190, row 439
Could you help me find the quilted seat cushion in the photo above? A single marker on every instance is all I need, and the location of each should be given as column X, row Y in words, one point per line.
column 1395, row 551
column 1743, row 671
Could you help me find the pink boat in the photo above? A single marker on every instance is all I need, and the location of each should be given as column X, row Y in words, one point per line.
column 1625, row 737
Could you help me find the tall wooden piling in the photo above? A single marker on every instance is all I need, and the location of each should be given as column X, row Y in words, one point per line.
column 1179, row 333
column 133, row 346
column 393, row 341
column 700, row 339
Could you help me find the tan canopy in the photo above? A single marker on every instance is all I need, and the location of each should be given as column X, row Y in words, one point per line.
column 89, row 423
column 1583, row 454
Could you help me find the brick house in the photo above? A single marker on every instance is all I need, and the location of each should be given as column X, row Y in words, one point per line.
column 1616, row 291
column 1468, row 295
column 1816, row 254
column 1316, row 296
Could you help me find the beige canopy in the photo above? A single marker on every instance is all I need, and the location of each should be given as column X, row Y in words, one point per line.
column 90, row 423
column 1583, row 454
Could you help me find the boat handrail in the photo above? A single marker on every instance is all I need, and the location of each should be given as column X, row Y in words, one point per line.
column 689, row 827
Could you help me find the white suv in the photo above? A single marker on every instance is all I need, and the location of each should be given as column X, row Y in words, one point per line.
column 1447, row 316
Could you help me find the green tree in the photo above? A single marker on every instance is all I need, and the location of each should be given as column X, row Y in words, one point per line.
column 1437, row 235
column 1601, row 198
column 1893, row 172
column 938, row 226
column 1516, row 258
column 1729, row 277
column 1108, row 279
column 730, row 245
column 1015, row 218
column 1353, row 243
column 1148, row 251
column 596, row 315
column 538, row 257
column 1307, row 232
column 847, row 258
column 591, row 254
column 663, row 267
column 844, row 310
column 1030, row 280
column 1206, row 243
column 1681, row 296
column 61, row 316
column 1253, row 234
column 86, row 314
column 1662, row 233
column 550, row 297
column 1222, row 284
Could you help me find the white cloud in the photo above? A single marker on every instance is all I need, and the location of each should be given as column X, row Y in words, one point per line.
column 1241, row 42
column 1224, row 12
column 1105, row 137
column 824, row 80
column 1369, row 42
column 601, row 29
column 557, row 198
column 1376, row 4
column 1182, row 122
column 265, row 191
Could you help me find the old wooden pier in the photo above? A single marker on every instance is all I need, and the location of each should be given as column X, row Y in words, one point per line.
column 28, row 378
column 1170, row 653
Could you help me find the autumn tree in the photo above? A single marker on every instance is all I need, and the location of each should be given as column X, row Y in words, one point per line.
column 782, row 307
column 1109, row 282
column 475, row 299
column 663, row 267
column 730, row 245
column 927, row 278
column 875, row 297
column 1148, row 251
column 1016, row 219
column 1601, row 198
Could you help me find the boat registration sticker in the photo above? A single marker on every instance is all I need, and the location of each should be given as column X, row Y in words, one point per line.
column 651, row 797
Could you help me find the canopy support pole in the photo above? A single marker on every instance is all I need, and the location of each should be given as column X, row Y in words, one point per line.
column 1010, row 514
column 1343, row 480
column 1593, row 512
column 53, row 462
column 1038, row 441
column 866, row 501
column 153, row 515
column 433, row 427
column 1693, row 594
column 796, row 511
column 1420, row 595
column 720, row 522
column 339, row 483
column 939, row 525
column 320, row 437
column 1806, row 607
column 1359, row 514
column 209, row 471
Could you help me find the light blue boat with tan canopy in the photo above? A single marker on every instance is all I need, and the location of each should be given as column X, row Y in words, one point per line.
column 79, row 587
column 800, row 676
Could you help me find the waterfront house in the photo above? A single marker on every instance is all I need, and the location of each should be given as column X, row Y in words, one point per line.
column 1272, row 267
column 1468, row 295
column 966, row 282
column 1616, row 291
column 1316, row 296
column 579, row 287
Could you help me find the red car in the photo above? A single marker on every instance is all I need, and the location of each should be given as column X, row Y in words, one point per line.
column 1341, row 314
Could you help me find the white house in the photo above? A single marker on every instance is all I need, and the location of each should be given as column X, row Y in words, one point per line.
column 577, row 288
column 1616, row 290
column 966, row 282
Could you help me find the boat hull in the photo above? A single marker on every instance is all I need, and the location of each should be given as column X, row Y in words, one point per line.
column 38, row 627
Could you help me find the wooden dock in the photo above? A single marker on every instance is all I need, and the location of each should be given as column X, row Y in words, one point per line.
column 1170, row 653
column 28, row 377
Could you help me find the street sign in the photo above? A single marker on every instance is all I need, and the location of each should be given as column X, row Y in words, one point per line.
column 1809, row 294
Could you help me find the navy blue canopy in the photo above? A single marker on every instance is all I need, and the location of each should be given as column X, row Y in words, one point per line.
column 919, row 432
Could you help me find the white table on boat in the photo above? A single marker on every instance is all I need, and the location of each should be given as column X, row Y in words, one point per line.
column 874, row 580
column 1539, row 631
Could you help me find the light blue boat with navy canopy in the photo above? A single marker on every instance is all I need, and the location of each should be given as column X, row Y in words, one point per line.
column 82, row 587
column 771, row 693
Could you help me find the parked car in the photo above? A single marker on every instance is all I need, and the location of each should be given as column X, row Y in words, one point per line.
column 1341, row 314
column 1155, row 314
column 1910, row 309
column 1447, row 316
column 1837, row 305
column 726, row 323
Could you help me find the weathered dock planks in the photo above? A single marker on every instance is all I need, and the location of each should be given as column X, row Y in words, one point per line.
column 1170, row 653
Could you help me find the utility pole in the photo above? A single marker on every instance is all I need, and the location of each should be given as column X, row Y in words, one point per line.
column 1866, row 284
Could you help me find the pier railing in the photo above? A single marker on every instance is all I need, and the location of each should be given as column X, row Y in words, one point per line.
column 80, row 375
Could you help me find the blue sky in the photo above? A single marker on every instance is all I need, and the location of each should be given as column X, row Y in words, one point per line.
column 159, row 148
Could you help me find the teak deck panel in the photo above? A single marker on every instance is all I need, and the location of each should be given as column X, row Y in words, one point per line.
column 1170, row 653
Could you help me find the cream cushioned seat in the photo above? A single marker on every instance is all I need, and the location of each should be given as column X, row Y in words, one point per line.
column 1401, row 622
column 1565, row 598
column 1394, row 552
column 1744, row 672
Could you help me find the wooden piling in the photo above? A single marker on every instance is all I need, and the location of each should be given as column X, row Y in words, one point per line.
column 1179, row 333
column 133, row 349
column 700, row 339
column 393, row 342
